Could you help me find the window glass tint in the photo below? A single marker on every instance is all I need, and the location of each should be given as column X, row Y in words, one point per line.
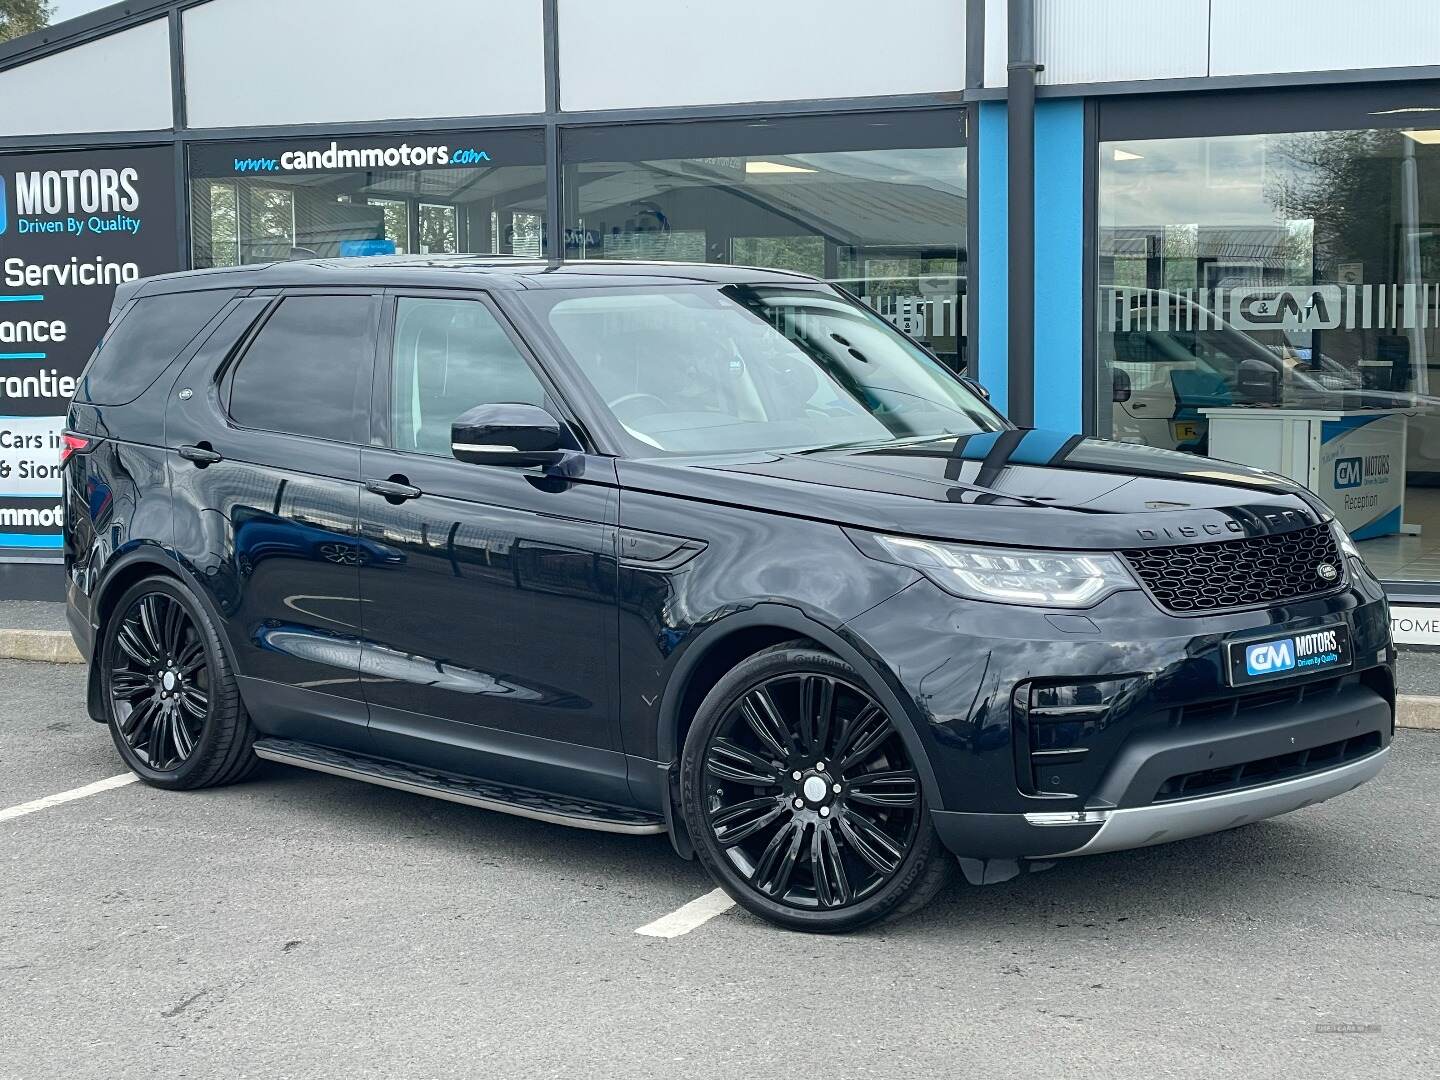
column 301, row 373
column 144, row 343
column 451, row 355
column 739, row 368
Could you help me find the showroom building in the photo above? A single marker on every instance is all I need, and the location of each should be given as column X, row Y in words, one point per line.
column 1233, row 231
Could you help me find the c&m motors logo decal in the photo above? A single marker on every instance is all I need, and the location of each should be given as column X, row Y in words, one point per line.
column 1349, row 472
column 1320, row 648
column 1353, row 472
column 1269, row 657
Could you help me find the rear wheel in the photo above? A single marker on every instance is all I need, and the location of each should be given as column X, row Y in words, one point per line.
column 802, row 798
column 171, row 701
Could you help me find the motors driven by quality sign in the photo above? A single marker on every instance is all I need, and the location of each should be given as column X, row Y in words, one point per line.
column 72, row 227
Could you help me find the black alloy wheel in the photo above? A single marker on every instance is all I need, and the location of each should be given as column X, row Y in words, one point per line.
column 804, row 799
column 171, row 702
column 159, row 682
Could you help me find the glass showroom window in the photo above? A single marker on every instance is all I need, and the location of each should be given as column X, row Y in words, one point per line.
column 1274, row 300
column 431, row 194
column 874, row 202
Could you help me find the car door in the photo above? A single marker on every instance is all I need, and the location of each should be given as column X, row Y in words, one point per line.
column 266, row 477
column 488, row 591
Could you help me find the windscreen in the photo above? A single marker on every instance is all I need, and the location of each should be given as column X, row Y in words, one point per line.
column 724, row 369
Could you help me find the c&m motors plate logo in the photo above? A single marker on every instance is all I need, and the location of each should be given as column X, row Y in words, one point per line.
column 1268, row 657
column 1316, row 649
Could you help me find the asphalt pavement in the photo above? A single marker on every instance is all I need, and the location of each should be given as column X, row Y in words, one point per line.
column 301, row 925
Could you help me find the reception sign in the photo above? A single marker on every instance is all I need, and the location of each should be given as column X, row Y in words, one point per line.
column 72, row 227
column 1362, row 472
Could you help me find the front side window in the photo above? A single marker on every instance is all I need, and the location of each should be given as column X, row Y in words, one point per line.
column 301, row 374
column 450, row 355
column 718, row 369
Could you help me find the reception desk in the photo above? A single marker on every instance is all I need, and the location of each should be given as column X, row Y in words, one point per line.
column 1353, row 459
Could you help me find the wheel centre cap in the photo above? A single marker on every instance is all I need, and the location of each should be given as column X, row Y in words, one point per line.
column 815, row 788
column 168, row 680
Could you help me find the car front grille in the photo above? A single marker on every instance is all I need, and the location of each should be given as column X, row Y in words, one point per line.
column 1228, row 708
column 1238, row 573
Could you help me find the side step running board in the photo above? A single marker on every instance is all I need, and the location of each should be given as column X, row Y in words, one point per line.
column 522, row 802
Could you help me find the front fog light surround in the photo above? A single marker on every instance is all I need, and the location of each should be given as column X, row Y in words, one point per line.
column 1060, row 579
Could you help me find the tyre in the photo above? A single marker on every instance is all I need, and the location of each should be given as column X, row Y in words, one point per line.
column 169, row 694
column 802, row 799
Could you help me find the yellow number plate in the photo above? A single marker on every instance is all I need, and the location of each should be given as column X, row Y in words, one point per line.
column 1183, row 431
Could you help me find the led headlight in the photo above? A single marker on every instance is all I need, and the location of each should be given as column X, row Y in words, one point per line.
column 1014, row 575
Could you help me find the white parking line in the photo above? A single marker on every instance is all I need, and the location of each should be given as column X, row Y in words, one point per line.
column 696, row 913
column 68, row 796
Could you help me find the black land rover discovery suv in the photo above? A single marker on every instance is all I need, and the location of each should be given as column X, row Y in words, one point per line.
column 696, row 550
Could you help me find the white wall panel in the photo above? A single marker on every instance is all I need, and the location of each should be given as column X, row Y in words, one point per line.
column 253, row 62
column 997, row 42
column 1322, row 35
column 625, row 54
column 118, row 83
column 1083, row 41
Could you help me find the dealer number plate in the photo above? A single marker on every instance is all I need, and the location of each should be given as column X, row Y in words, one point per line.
column 1326, row 648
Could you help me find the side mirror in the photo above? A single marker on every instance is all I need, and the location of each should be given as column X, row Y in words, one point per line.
column 1122, row 387
column 520, row 436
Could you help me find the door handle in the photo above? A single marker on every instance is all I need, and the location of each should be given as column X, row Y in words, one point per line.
column 201, row 455
column 397, row 489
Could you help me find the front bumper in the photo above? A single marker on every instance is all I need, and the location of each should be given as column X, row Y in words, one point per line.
column 1141, row 826
column 1175, row 752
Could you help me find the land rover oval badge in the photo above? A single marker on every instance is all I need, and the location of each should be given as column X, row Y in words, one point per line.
column 1326, row 572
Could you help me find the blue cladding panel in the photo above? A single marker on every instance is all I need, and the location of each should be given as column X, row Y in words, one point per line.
column 1059, row 259
column 991, row 313
column 1059, row 263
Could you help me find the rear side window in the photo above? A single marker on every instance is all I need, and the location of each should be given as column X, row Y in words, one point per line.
column 144, row 343
column 306, row 369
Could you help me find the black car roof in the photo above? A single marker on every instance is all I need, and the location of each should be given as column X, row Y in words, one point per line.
column 508, row 272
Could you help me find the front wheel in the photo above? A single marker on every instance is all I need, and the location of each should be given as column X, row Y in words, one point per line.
column 802, row 798
column 171, row 701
